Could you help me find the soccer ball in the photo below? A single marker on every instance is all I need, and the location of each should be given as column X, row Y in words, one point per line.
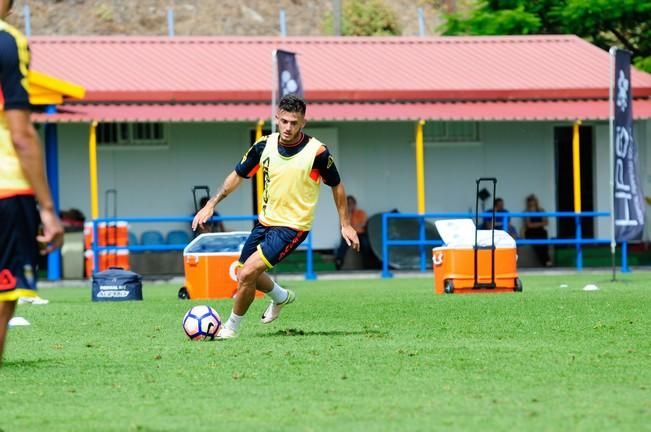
column 201, row 322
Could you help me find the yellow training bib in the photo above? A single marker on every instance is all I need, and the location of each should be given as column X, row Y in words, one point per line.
column 12, row 178
column 290, row 194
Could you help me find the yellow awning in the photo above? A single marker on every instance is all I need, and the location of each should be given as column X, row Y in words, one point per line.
column 48, row 90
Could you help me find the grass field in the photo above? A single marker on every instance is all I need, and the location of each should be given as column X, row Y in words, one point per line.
column 361, row 355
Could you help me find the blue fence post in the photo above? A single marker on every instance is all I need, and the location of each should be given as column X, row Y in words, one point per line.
column 385, row 247
column 95, row 249
column 52, row 163
column 625, row 268
column 421, row 238
column 579, row 250
column 309, row 273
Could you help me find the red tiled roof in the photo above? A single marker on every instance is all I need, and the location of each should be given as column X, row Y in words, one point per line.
column 239, row 69
column 475, row 111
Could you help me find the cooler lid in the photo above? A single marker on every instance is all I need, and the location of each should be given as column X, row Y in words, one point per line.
column 210, row 243
column 460, row 233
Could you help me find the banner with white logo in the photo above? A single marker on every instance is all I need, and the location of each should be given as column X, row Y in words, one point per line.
column 289, row 76
column 629, row 206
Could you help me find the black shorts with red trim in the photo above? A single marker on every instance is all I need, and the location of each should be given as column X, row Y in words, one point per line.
column 273, row 243
column 19, row 223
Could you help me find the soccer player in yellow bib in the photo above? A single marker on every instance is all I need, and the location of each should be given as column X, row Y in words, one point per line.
column 293, row 165
column 22, row 180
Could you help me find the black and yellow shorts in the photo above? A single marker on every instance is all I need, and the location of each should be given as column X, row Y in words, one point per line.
column 273, row 243
column 19, row 224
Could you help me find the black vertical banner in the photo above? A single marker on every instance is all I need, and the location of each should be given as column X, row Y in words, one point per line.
column 289, row 76
column 628, row 197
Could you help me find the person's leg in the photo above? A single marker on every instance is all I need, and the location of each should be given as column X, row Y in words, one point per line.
column 264, row 283
column 273, row 245
column 231, row 326
column 541, row 251
column 544, row 250
column 528, row 234
column 252, row 277
column 280, row 242
column 340, row 253
column 540, row 254
column 18, row 256
column 247, row 281
column 365, row 250
column 275, row 292
column 7, row 309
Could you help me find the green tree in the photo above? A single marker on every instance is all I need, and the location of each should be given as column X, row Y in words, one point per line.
column 365, row 18
column 623, row 23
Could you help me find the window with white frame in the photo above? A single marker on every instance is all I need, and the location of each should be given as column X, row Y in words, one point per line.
column 147, row 134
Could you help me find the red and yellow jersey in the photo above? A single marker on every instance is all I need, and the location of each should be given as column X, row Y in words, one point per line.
column 14, row 87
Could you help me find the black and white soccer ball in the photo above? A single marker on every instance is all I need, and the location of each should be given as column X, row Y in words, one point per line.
column 201, row 323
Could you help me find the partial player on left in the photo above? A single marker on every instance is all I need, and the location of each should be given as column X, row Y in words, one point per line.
column 26, row 205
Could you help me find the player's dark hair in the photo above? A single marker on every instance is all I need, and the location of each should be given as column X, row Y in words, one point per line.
column 11, row 4
column 293, row 104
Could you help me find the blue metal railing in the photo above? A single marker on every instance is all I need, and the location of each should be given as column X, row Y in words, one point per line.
column 422, row 242
column 96, row 248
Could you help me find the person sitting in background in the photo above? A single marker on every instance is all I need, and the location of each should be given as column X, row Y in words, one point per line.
column 210, row 227
column 499, row 219
column 534, row 228
column 358, row 219
column 72, row 220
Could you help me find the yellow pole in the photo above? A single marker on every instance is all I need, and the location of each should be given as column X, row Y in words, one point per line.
column 92, row 156
column 420, row 166
column 576, row 156
column 258, row 176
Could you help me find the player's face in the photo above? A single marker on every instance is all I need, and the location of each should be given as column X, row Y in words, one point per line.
column 289, row 125
column 4, row 8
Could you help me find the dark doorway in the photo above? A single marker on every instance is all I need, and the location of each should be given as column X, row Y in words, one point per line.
column 566, row 227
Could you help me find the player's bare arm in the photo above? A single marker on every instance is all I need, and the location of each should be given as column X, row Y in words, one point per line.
column 347, row 231
column 231, row 183
column 28, row 149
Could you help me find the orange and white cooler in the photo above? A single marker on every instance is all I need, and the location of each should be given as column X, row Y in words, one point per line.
column 107, row 259
column 454, row 263
column 111, row 234
column 211, row 263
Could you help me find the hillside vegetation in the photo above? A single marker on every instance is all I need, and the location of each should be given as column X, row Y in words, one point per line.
column 202, row 17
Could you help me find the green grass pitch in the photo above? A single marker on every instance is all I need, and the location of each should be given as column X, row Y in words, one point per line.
column 357, row 355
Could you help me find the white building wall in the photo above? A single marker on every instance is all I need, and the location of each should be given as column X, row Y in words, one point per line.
column 521, row 156
column 376, row 161
column 378, row 165
column 156, row 182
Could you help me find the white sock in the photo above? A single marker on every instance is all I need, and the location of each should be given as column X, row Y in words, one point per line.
column 278, row 294
column 234, row 321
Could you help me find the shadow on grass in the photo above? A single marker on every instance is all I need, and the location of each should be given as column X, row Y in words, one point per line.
column 299, row 332
column 27, row 364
